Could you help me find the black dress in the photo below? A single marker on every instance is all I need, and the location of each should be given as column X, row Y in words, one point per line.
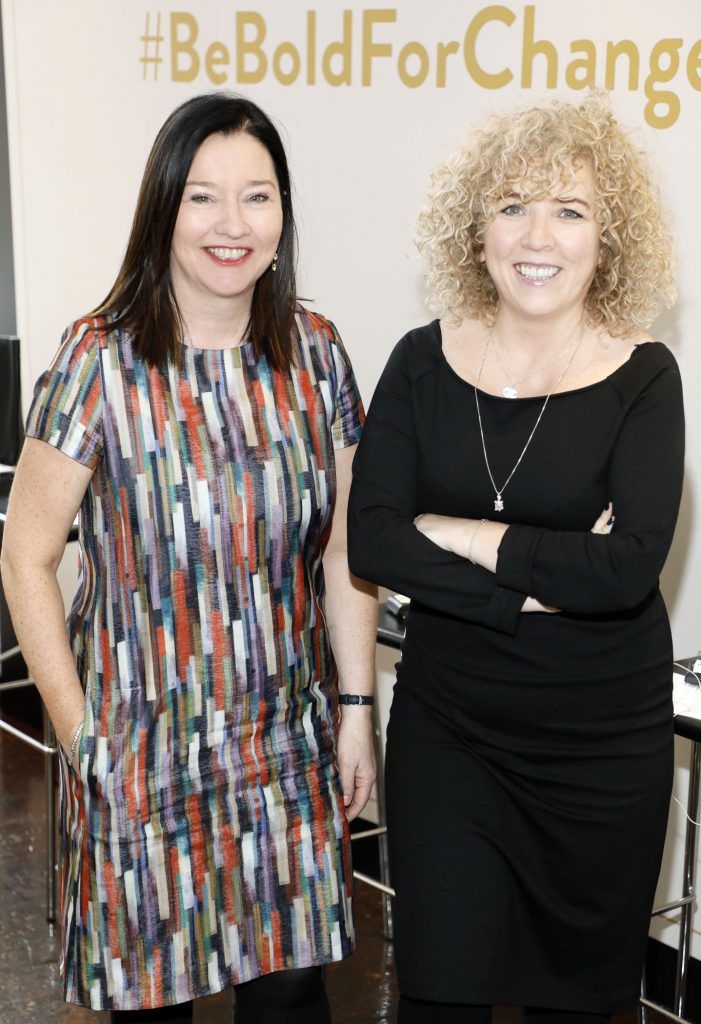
column 529, row 756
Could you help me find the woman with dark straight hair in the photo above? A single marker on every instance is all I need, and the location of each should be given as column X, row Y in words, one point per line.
column 203, row 423
column 142, row 299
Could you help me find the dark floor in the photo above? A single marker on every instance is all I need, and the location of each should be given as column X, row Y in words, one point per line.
column 362, row 988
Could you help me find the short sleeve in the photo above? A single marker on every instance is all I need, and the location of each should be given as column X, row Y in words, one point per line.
column 349, row 415
column 66, row 409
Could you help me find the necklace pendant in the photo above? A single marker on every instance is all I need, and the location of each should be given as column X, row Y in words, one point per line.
column 498, row 504
column 509, row 392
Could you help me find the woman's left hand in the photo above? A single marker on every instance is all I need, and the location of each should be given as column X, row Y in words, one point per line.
column 445, row 531
column 605, row 522
column 356, row 757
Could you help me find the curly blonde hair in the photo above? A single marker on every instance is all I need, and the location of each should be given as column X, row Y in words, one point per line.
column 533, row 151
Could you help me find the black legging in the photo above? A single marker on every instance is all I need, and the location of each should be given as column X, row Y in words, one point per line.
column 418, row 1011
column 181, row 1013
column 536, row 1015
column 284, row 997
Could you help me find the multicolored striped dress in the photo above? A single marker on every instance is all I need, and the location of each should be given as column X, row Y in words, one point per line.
column 205, row 841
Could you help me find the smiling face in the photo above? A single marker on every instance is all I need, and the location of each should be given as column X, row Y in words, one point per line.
column 542, row 254
column 228, row 225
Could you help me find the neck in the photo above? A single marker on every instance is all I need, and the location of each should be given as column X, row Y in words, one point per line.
column 538, row 336
column 216, row 323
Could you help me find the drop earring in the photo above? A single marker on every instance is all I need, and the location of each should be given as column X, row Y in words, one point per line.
column 274, row 263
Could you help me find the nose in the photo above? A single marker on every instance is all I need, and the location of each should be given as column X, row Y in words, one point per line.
column 537, row 234
column 232, row 221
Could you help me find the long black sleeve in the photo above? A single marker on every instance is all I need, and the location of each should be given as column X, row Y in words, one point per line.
column 583, row 573
column 383, row 544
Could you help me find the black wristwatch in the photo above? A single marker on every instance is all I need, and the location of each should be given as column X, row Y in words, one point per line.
column 355, row 698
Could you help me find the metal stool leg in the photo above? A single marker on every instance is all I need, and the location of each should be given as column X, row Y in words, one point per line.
column 382, row 839
column 687, row 911
column 49, row 781
column 642, row 1009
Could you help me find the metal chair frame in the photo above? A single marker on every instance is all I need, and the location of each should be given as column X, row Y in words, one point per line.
column 690, row 729
column 381, row 831
column 389, row 635
column 49, row 749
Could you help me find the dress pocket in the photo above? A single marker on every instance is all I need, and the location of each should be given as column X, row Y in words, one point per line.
column 78, row 766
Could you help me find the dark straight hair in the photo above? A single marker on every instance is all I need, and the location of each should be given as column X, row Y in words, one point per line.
column 142, row 300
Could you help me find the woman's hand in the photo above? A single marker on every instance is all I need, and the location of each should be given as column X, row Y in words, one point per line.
column 444, row 531
column 605, row 522
column 532, row 604
column 475, row 539
column 356, row 757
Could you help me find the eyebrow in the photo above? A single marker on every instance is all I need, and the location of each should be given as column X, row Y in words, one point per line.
column 563, row 200
column 572, row 201
column 210, row 184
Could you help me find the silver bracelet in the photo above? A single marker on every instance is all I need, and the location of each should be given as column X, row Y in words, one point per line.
column 472, row 540
column 74, row 744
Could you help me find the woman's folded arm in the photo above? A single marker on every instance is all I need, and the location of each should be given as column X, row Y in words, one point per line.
column 586, row 573
column 383, row 543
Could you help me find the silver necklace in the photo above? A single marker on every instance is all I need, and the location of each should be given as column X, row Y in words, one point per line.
column 499, row 501
column 510, row 390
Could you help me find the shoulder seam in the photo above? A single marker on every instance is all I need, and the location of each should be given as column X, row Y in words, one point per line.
column 421, row 358
column 663, row 361
column 318, row 319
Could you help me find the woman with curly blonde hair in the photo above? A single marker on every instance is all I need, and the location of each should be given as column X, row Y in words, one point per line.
column 529, row 752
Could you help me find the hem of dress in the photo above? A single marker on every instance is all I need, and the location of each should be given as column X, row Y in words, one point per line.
column 207, row 990
column 573, row 1002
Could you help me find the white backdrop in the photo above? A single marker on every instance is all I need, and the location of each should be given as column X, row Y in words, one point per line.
column 369, row 100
